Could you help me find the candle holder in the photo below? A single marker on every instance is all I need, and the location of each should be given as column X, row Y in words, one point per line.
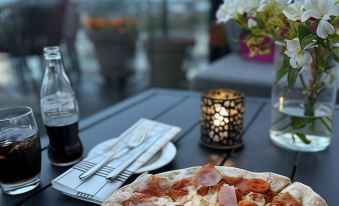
column 222, row 112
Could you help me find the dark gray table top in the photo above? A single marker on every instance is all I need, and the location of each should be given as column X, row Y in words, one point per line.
column 181, row 108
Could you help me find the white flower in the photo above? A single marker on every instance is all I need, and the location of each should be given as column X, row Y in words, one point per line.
column 251, row 6
column 278, row 4
column 323, row 10
column 282, row 4
column 320, row 9
column 263, row 4
column 324, row 29
column 230, row 8
column 245, row 6
column 241, row 6
column 294, row 11
column 226, row 11
column 298, row 57
column 252, row 23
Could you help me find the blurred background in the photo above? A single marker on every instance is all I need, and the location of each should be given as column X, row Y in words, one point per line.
column 111, row 49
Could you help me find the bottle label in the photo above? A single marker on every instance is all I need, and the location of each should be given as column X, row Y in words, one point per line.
column 59, row 106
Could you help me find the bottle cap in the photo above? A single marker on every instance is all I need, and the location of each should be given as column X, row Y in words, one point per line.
column 51, row 49
column 52, row 56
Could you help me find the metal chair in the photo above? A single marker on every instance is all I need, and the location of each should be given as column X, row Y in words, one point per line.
column 26, row 26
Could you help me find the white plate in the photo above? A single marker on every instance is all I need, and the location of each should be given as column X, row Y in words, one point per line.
column 160, row 159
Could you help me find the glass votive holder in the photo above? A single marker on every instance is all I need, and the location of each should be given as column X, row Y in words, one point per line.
column 221, row 118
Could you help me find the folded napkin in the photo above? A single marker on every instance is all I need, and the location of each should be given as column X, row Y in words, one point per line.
column 96, row 189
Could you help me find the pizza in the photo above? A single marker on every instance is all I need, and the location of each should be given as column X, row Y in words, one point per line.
column 211, row 185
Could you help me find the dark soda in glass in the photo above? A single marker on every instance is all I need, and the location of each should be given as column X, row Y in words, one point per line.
column 20, row 155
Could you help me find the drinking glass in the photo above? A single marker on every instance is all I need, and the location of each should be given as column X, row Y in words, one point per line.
column 20, row 150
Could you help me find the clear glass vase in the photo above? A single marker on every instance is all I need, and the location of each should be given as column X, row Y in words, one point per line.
column 302, row 115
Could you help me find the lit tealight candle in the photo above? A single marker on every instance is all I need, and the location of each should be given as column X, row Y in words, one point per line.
column 222, row 118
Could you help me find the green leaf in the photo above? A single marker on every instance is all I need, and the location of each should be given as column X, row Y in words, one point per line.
column 332, row 76
column 327, row 125
column 293, row 138
column 284, row 69
column 299, row 122
column 335, row 38
column 335, row 54
column 292, row 77
column 303, row 31
column 308, row 41
column 303, row 138
column 321, row 61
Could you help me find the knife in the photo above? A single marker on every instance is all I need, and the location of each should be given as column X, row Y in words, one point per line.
column 125, row 164
column 109, row 158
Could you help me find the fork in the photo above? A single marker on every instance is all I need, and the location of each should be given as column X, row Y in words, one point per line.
column 133, row 142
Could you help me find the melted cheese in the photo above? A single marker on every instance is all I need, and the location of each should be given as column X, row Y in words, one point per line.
column 256, row 198
column 192, row 199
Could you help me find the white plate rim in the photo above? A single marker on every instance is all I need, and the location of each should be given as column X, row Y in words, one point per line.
column 167, row 154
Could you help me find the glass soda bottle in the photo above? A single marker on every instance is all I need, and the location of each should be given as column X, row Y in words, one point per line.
column 60, row 112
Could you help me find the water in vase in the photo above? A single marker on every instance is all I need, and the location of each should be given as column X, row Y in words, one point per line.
column 308, row 133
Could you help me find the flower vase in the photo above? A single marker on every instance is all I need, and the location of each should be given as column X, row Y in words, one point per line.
column 303, row 102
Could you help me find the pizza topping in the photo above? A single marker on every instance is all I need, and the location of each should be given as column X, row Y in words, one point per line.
column 181, row 184
column 138, row 200
column 285, row 199
column 203, row 203
column 257, row 197
column 218, row 186
column 268, row 196
column 203, row 190
column 257, row 185
column 238, row 194
column 153, row 191
column 243, row 187
column 176, row 194
column 207, row 175
column 141, row 203
column 162, row 183
column 275, row 204
column 246, row 203
column 232, row 180
column 227, row 196
column 152, row 185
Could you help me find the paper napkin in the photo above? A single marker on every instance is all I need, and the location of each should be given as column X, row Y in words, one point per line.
column 96, row 189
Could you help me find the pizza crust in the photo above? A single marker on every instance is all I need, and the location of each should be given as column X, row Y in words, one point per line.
column 304, row 194
column 277, row 182
column 127, row 191
column 124, row 193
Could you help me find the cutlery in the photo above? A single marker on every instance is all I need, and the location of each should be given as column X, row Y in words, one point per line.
column 133, row 142
column 115, row 173
column 104, row 171
column 124, row 165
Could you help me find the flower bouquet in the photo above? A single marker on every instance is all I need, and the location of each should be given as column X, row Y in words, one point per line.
column 306, row 33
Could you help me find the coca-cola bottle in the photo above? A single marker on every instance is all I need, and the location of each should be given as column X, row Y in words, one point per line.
column 60, row 112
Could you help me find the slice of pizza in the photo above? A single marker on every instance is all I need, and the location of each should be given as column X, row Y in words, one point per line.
column 212, row 185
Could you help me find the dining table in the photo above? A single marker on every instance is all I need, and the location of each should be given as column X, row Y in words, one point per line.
column 319, row 170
